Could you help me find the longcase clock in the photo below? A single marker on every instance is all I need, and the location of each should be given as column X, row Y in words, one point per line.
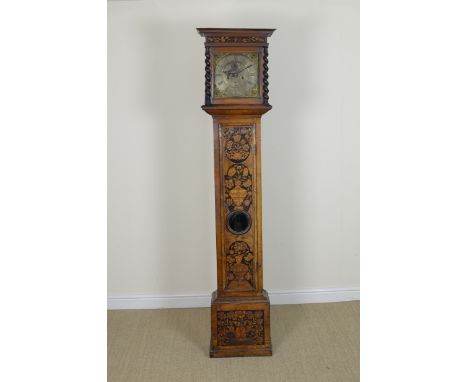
column 236, row 96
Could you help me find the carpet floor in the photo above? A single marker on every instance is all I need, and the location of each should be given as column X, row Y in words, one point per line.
column 312, row 342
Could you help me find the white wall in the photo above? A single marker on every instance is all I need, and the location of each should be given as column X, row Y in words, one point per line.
column 161, row 219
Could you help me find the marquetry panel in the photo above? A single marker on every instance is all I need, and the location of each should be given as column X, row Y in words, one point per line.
column 240, row 327
column 237, row 143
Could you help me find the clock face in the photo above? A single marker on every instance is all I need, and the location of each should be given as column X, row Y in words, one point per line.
column 236, row 75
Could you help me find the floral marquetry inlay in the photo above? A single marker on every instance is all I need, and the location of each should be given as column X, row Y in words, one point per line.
column 240, row 266
column 241, row 327
column 238, row 188
column 237, row 147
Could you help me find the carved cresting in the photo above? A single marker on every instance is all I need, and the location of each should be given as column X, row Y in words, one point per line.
column 236, row 39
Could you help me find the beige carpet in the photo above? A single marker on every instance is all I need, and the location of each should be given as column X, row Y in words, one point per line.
column 313, row 342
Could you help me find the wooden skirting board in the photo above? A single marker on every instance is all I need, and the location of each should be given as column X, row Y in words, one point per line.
column 202, row 300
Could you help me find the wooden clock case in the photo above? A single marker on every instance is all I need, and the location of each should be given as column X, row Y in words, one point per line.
column 240, row 307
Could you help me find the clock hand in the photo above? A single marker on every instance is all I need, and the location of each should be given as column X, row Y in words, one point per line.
column 244, row 69
column 229, row 73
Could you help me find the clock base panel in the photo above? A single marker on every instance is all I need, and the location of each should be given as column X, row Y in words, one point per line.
column 240, row 326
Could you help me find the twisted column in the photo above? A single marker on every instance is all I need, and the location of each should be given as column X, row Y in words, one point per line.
column 207, row 77
column 265, row 77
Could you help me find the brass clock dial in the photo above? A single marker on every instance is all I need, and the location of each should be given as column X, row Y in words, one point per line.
column 236, row 75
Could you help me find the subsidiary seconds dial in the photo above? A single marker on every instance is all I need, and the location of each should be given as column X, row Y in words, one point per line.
column 236, row 75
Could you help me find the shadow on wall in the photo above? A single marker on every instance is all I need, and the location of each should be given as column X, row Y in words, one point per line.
column 283, row 145
column 169, row 167
column 174, row 72
column 182, row 140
